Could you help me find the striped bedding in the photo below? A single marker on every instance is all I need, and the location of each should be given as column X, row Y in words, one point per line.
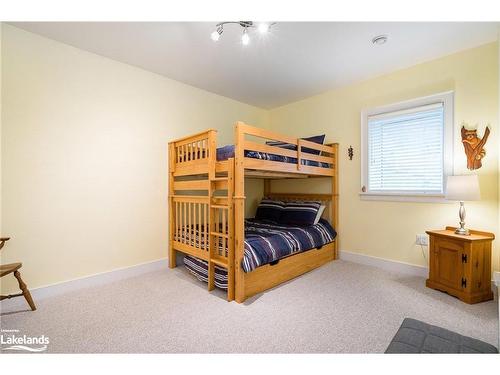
column 266, row 242
column 199, row 269
column 226, row 152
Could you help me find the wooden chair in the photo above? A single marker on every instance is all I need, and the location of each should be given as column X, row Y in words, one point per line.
column 5, row 269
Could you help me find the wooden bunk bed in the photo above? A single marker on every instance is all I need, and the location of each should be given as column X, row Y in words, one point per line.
column 207, row 203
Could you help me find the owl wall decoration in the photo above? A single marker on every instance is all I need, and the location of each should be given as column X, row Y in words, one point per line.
column 474, row 146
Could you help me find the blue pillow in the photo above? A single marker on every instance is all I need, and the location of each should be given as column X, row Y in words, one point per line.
column 225, row 152
column 300, row 213
column 270, row 210
column 319, row 139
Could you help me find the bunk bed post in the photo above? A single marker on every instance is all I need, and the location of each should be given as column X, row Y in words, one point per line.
column 213, row 241
column 171, row 213
column 212, row 153
column 239, row 211
column 230, row 244
column 335, row 197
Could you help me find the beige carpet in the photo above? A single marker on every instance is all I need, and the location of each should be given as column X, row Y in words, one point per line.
column 338, row 308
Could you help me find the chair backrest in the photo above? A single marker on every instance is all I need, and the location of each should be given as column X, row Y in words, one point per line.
column 3, row 240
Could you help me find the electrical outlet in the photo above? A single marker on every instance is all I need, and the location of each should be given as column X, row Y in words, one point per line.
column 422, row 239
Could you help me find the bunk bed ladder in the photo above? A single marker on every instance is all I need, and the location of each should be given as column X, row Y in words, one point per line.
column 221, row 218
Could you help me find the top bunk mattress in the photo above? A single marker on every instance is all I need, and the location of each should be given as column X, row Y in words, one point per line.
column 226, row 152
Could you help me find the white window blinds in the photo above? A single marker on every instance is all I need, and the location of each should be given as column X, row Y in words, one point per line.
column 405, row 151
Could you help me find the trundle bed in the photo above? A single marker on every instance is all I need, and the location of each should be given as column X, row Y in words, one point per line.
column 207, row 218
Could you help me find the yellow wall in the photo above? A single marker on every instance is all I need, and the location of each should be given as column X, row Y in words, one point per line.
column 84, row 156
column 388, row 229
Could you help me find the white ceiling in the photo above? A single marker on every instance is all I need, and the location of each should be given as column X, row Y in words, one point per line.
column 297, row 60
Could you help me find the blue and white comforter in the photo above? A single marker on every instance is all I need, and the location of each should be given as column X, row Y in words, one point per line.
column 265, row 243
column 226, row 152
column 268, row 242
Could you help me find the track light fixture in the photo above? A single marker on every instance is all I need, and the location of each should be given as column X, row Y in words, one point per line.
column 262, row 27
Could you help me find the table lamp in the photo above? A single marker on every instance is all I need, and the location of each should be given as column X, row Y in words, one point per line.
column 462, row 188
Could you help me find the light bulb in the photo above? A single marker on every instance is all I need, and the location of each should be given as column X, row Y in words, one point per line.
column 245, row 38
column 263, row 27
column 215, row 36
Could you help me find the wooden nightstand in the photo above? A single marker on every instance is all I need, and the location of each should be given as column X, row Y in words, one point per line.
column 461, row 265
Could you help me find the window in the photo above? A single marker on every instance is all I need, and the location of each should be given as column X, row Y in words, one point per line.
column 407, row 149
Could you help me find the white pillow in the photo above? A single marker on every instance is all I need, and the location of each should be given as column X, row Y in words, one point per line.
column 320, row 212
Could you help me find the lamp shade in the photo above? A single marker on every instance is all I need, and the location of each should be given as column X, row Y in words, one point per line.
column 463, row 188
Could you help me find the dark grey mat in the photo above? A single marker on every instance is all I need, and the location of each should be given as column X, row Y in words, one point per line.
column 415, row 336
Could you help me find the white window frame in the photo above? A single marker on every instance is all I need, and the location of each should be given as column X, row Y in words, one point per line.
column 447, row 98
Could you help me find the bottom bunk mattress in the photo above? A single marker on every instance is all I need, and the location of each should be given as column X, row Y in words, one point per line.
column 267, row 242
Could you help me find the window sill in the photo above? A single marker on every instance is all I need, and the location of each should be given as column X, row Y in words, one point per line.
column 399, row 197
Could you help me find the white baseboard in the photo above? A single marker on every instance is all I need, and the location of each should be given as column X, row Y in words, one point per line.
column 496, row 278
column 406, row 268
column 98, row 279
column 495, row 285
column 386, row 264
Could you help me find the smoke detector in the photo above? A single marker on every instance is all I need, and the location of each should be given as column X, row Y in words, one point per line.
column 380, row 39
